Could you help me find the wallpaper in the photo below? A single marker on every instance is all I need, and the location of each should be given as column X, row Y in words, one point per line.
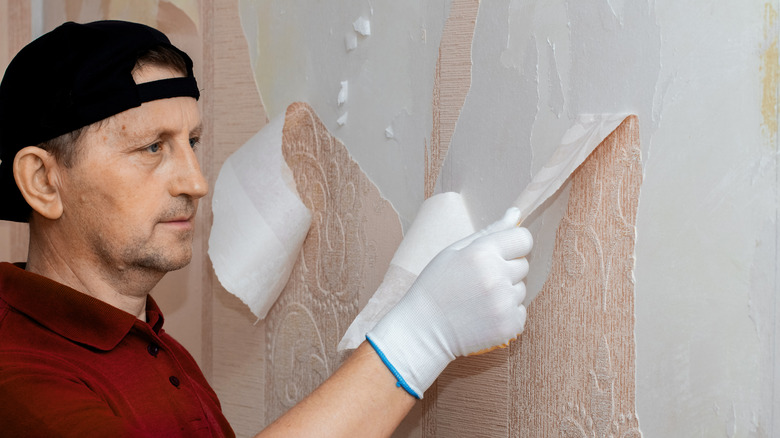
column 572, row 371
column 352, row 238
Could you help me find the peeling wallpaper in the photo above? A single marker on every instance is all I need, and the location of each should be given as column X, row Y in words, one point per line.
column 572, row 371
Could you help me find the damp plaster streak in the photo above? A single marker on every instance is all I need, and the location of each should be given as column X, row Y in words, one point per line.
column 700, row 76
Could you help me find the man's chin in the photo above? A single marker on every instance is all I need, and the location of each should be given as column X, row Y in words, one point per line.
column 179, row 265
column 165, row 262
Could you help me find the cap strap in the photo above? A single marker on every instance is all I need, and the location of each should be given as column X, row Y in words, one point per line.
column 171, row 87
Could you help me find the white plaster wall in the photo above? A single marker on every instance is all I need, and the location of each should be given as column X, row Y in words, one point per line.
column 299, row 52
column 694, row 72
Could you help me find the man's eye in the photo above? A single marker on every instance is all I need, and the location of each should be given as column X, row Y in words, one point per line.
column 154, row 148
column 194, row 142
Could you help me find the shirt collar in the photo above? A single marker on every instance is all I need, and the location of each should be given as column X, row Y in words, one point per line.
column 68, row 312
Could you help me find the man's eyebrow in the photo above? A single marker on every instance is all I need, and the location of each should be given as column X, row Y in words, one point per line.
column 155, row 135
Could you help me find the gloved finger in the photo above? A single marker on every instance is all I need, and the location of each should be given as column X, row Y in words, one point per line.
column 516, row 324
column 519, row 292
column 512, row 243
column 466, row 241
column 518, row 269
column 510, row 219
column 522, row 317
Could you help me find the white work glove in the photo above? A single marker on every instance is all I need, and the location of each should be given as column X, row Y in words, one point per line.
column 468, row 299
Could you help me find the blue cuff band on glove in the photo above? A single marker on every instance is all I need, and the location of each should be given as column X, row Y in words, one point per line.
column 401, row 382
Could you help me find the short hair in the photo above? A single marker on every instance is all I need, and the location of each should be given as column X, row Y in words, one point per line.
column 65, row 148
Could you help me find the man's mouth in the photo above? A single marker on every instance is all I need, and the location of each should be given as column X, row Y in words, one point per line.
column 184, row 222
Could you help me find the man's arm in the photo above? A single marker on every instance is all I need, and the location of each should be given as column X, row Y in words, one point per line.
column 360, row 399
column 468, row 299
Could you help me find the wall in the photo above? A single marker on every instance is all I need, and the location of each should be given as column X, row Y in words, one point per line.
column 492, row 86
column 701, row 76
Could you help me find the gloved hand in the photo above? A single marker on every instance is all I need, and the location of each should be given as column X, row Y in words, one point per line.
column 468, row 299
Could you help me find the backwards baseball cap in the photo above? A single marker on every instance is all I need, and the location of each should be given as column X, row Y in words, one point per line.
column 69, row 78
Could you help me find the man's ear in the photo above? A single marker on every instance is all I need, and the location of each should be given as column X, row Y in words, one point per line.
column 36, row 173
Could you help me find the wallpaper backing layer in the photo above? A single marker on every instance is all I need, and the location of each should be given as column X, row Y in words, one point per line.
column 351, row 240
column 572, row 372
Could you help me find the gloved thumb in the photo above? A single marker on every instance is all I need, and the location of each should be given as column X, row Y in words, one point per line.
column 510, row 219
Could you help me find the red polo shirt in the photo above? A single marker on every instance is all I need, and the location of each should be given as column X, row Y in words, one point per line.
column 71, row 365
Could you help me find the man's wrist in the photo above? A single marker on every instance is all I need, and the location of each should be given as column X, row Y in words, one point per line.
column 401, row 382
column 410, row 341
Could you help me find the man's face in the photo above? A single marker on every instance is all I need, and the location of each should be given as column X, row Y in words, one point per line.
column 131, row 195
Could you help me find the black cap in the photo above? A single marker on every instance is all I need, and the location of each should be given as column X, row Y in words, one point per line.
column 71, row 77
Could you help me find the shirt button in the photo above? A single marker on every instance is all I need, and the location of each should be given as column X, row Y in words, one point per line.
column 153, row 349
column 174, row 381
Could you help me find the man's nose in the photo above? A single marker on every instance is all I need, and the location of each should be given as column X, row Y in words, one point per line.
column 189, row 179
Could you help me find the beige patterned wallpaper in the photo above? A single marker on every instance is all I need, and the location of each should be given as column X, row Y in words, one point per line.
column 352, row 238
column 572, row 371
column 450, row 85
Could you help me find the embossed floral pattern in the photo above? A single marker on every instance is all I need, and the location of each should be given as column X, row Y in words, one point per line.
column 574, row 365
column 601, row 421
column 339, row 261
column 571, row 373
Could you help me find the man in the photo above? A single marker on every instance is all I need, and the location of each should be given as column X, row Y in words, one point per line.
column 97, row 128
